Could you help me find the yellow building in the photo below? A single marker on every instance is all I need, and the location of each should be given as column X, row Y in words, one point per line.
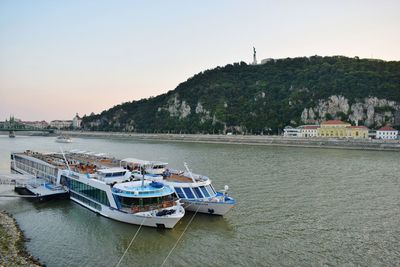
column 333, row 128
column 340, row 129
column 357, row 132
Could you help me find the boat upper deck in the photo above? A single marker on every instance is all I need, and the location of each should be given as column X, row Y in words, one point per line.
column 179, row 178
column 183, row 177
column 41, row 187
column 135, row 189
column 77, row 161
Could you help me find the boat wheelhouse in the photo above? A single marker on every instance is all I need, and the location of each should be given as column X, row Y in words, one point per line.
column 195, row 191
column 99, row 184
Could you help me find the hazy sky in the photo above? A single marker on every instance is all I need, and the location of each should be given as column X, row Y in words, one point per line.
column 62, row 57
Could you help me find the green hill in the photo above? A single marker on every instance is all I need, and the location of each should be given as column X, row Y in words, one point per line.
column 265, row 98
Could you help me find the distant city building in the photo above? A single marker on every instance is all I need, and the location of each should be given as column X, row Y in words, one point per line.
column 61, row 124
column 387, row 132
column 76, row 122
column 36, row 124
column 13, row 119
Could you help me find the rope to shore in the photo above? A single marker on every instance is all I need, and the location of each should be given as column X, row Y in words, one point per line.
column 133, row 238
column 176, row 243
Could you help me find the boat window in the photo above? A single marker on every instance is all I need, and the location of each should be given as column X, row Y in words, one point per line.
column 210, row 190
column 204, row 190
column 179, row 192
column 88, row 191
column 213, row 189
column 188, row 192
column 197, row 192
column 115, row 174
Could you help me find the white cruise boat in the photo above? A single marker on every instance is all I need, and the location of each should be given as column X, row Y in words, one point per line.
column 99, row 184
column 63, row 139
column 195, row 191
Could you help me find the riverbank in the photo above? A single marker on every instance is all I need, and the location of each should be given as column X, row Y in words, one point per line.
column 266, row 140
column 12, row 244
column 359, row 144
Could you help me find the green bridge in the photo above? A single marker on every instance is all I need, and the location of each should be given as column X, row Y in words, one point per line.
column 13, row 126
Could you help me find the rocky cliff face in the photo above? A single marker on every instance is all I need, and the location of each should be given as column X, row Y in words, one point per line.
column 176, row 108
column 370, row 111
column 259, row 99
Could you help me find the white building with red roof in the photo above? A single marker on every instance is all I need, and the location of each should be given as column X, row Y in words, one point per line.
column 387, row 132
column 301, row 131
column 309, row 130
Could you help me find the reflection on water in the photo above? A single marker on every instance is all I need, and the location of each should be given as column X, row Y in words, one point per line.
column 296, row 206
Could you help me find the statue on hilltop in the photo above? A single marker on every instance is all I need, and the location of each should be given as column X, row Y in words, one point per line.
column 254, row 56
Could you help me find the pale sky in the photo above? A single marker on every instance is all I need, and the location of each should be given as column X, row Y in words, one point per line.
column 62, row 57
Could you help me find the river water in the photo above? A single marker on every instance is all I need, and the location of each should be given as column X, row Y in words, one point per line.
column 296, row 206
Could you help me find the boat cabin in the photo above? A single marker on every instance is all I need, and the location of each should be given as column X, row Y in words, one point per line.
column 113, row 175
column 138, row 196
column 137, row 165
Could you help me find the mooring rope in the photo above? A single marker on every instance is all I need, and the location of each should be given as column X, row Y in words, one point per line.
column 176, row 243
column 133, row 238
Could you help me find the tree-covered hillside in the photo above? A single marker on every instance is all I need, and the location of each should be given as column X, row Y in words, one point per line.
column 264, row 98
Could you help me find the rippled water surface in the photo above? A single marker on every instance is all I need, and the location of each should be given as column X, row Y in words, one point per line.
column 296, row 206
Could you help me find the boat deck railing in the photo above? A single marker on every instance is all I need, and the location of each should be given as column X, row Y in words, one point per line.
column 184, row 177
column 144, row 208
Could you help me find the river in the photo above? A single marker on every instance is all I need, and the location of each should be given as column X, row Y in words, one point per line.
column 296, row 206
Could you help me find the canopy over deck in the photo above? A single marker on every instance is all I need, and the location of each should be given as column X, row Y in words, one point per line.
column 143, row 162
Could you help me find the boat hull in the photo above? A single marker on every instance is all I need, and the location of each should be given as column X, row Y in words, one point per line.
column 213, row 208
column 22, row 190
column 168, row 221
column 64, row 141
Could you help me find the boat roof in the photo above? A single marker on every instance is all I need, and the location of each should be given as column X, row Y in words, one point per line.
column 159, row 163
column 112, row 170
column 56, row 159
column 136, row 161
column 143, row 162
column 135, row 189
column 42, row 160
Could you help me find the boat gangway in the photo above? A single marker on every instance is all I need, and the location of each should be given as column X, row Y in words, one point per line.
column 12, row 179
column 22, row 196
column 28, row 186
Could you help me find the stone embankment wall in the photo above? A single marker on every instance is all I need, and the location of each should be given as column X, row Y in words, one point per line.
column 388, row 145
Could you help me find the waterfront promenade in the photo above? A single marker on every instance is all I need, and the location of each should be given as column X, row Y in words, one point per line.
column 270, row 140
